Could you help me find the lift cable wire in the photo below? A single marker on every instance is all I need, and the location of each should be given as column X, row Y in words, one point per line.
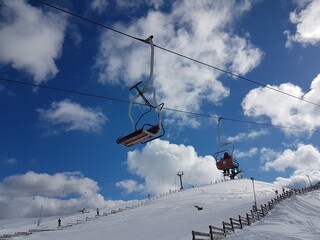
column 6, row 80
column 63, row 90
column 89, row 20
column 177, row 54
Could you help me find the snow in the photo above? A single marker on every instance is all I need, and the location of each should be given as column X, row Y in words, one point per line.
column 296, row 218
column 173, row 216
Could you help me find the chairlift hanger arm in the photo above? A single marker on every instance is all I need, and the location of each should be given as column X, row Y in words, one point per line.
column 219, row 135
column 219, row 132
column 150, row 81
column 147, row 132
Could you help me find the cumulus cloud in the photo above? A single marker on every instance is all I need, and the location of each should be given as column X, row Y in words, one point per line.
column 268, row 154
column 130, row 186
column 306, row 18
column 246, row 154
column 199, row 29
column 159, row 161
column 60, row 193
column 299, row 179
column 30, row 39
column 246, row 136
column 71, row 116
column 283, row 110
column 305, row 157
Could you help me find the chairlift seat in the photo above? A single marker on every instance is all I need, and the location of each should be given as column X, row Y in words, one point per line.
column 224, row 164
column 140, row 136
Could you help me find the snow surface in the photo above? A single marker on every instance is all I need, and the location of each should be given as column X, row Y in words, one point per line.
column 173, row 216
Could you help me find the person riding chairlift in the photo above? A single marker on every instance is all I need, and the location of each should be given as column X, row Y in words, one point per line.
column 226, row 156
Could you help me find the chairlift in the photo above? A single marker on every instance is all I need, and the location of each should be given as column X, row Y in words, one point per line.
column 224, row 157
column 147, row 132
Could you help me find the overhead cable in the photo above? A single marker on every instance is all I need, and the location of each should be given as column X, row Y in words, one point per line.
column 176, row 53
column 6, row 80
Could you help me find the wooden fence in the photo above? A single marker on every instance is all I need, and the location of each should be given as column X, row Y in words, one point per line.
column 240, row 221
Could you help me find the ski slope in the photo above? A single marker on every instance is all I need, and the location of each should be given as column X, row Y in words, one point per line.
column 174, row 216
column 296, row 218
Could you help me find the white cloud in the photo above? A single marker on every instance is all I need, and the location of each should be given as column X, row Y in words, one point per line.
column 305, row 157
column 71, row 116
column 159, row 161
column 299, row 179
column 199, row 29
column 99, row 5
column 268, row 154
column 130, row 186
column 304, row 160
column 284, row 110
column 245, row 136
column 246, row 154
column 75, row 35
column 306, row 18
column 30, row 39
column 60, row 193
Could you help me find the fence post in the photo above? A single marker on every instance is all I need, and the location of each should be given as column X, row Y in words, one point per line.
column 240, row 222
column 210, row 232
column 262, row 210
column 231, row 222
column 224, row 228
column 266, row 207
column 248, row 219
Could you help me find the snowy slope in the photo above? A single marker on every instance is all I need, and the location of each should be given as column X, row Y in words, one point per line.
column 174, row 216
column 297, row 218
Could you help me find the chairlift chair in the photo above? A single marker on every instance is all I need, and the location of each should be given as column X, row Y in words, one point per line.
column 224, row 157
column 147, row 132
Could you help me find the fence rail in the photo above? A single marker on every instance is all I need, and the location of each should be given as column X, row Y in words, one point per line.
column 227, row 228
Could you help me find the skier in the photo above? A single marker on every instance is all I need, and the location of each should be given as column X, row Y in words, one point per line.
column 199, row 208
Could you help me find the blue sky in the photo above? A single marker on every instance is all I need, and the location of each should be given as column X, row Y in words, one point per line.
column 61, row 147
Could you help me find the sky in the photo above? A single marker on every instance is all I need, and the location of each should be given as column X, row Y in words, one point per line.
column 64, row 94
